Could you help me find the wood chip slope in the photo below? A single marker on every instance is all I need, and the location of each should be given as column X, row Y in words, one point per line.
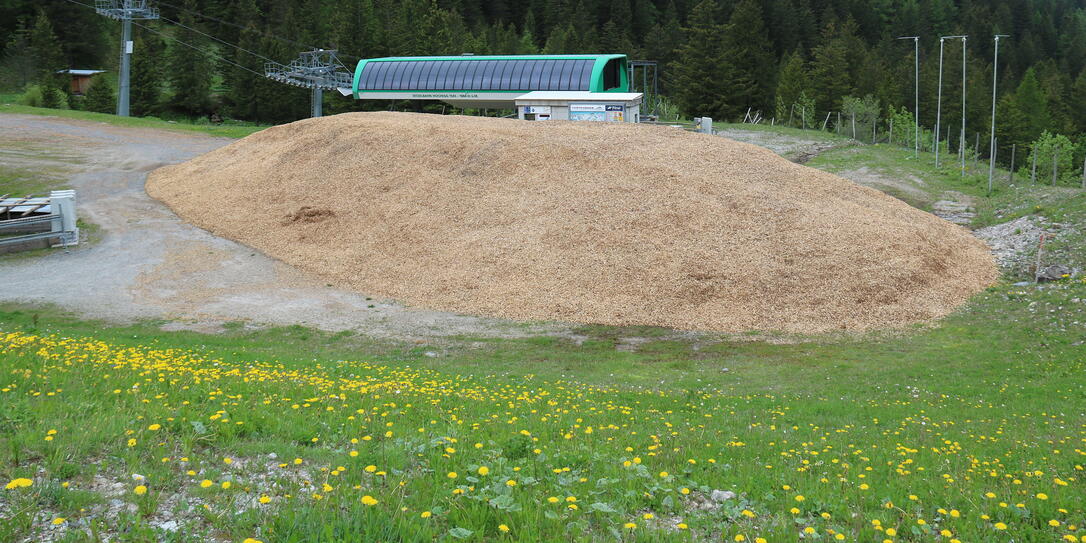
column 615, row 224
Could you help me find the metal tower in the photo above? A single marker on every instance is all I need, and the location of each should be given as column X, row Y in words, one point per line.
column 314, row 70
column 649, row 84
column 125, row 11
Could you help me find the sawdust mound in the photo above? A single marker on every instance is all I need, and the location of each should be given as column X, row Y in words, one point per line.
column 583, row 222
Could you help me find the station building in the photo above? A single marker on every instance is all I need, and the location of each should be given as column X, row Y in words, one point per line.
column 538, row 87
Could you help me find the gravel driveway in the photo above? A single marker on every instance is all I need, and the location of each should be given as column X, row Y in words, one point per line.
column 149, row 264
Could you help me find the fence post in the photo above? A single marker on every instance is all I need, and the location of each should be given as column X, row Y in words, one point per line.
column 1084, row 173
column 854, row 126
column 1014, row 151
column 991, row 166
column 1033, row 170
column 838, row 123
column 976, row 151
column 790, row 113
column 825, row 122
column 1055, row 169
column 803, row 117
column 891, row 142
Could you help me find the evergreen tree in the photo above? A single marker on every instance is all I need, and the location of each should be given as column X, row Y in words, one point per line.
column 19, row 67
column 147, row 78
column 829, row 71
column 100, row 97
column 560, row 41
column 748, row 54
column 46, row 49
column 1031, row 101
column 190, row 69
column 700, row 75
column 791, row 83
column 1078, row 96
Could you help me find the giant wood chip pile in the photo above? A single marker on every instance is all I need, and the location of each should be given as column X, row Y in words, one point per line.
column 617, row 224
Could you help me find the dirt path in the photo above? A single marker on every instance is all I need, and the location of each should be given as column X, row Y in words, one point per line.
column 149, row 264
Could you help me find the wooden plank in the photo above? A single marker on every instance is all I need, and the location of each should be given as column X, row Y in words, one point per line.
column 33, row 209
column 5, row 207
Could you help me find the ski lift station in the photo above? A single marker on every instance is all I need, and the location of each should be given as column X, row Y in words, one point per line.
column 539, row 87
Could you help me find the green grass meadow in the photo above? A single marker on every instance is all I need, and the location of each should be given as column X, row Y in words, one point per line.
column 969, row 429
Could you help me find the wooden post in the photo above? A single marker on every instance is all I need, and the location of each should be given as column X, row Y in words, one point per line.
column 853, row 126
column 1014, row 151
column 976, row 151
column 1055, row 168
column 891, row 142
column 803, row 117
column 1033, row 171
column 1037, row 266
column 828, row 113
column 838, row 123
column 1084, row 174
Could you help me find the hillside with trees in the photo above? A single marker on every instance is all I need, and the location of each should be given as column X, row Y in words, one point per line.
column 717, row 57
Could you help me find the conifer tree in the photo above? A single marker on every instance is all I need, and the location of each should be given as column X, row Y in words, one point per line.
column 829, row 70
column 100, row 97
column 190, row 70
column 699, row 74
column 19, row 67
column 749, row 56
column 147, row 75
column 1031, row 101
column 791, row 83
column 48, row 55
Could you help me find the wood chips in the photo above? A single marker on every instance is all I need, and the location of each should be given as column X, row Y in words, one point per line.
column 616, row 224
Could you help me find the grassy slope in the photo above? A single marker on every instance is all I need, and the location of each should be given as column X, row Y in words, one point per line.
column 223, row 130
column 987, row 401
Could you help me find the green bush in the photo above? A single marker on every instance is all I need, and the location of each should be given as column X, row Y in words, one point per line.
column 1059, row 148
column 32, row 96
column 100, row 97
column 54, row 98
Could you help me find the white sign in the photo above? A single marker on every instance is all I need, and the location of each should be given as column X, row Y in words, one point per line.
column 128, row 47
column 588, row 107
column 539, row 110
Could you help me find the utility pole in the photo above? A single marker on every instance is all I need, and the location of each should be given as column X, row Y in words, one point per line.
column 316, row 71
column 916, row 79
column 939, row 106
column 991, row 145
column 125, row 11
column 963, row 105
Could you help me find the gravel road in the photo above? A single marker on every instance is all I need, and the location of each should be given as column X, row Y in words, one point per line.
column 149, row 264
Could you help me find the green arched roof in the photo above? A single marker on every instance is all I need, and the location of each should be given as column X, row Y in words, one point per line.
column 504, row 73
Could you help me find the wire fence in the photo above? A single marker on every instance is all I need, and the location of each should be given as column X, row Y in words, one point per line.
column 1051, row 159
